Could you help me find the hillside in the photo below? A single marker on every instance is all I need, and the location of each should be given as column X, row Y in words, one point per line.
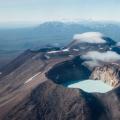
column 34, row 85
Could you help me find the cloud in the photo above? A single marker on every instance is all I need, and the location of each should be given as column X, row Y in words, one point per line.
column 89, row 37
column 118, row 44
column 108, row 56
column 94, row 58
column 91, row 63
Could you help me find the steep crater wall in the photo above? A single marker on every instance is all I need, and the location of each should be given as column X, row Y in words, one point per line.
column 69, row 72
column 110, row 74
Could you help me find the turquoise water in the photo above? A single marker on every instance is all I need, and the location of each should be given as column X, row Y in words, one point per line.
column 92, row 86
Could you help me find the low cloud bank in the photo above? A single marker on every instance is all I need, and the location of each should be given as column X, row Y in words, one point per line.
column 89, row 37
column 93, row 58
column 108, row 56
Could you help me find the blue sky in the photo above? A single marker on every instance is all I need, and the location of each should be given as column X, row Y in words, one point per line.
column 45, row 10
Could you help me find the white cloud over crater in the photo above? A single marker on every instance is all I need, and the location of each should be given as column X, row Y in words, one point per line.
column 93, row 58
column 108, row 56
column 89, row 37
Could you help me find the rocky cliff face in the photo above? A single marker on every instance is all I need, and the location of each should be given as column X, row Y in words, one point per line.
column 110, row 74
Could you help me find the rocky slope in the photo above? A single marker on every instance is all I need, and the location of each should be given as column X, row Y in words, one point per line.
column 110, row 74
column 33, row 88
column 50, row 100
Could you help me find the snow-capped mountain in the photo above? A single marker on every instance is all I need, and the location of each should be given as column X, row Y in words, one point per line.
column 91, row 41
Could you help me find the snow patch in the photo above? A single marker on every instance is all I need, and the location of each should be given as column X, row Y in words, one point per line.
column 47, row 57
column 30, row 79
column 53, row 52
column 63, row 50
column 77, row 50
column 89, row 37
column 66, row 50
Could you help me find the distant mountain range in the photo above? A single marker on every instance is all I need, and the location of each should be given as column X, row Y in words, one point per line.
column 14, row 41
column 53, row 33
